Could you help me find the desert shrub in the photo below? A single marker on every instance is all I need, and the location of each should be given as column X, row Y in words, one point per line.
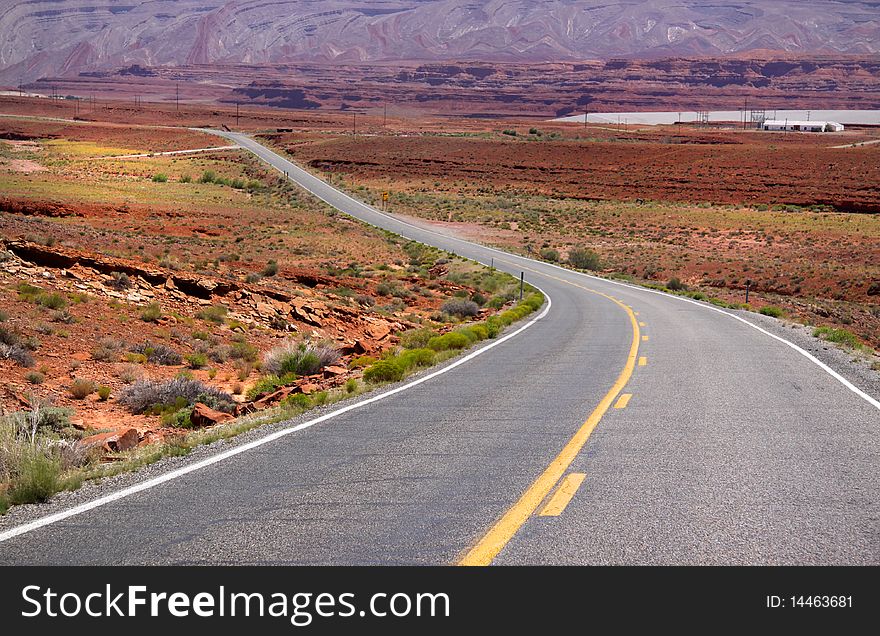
column 9, row 336
column 160, row 178
column 582, row 258
column 416, row 338
column 384, row 288
column 362, row 361
column 104, row 393
column 52, row 301
column 130, row 373
column 197, row 360
column 549, row 254
column 3, row 316
column 253, row 278
column 243, row 350
column 268, row 384
column 17, row 353
column 302, row 358
column 676, row 285
column 120, row 280
column 185, row 178
column 145, row 395
column 449, row 341
column 220, row 354
column 836, row 335
column 351, row 385
column 509, row 132
column 416, row 358
column 297, row 401
column 135, row 358
column 201, row 335
column 385, row 371
column 36, row 475
column 460, row 307
column 177, row 418
column 108, row 350
column 151, row 313
column 365, row 300
column 214, row 313
column 157, row 354
column 208, row 176
column 34, row 377
column 63, row 316
column 81, row 389
column 270, row 269
column 770, row 310
column 474, row 333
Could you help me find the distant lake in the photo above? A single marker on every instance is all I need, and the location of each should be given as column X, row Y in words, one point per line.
column 840, row 116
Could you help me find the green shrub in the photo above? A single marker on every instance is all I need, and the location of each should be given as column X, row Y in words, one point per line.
column 270, row 269
column 770, row 310
column 243, row 350
column 302, row 358
column 185, row 178
column 446, row 342
column 297, row 401
column 197, row 360
column 676, row 285
column 269, row 384
column 385, row 371
column 838, row 336
column 147, row 395
column 151, row 313
column 416, row 358
column 37, row 477
column 135, row 358
column 104, row 393
column 52, row 301
column 361, row 362
column 582, row 258
column 549, row 254
column 214, row 313
column 460, row 307
column 3, row 316
column 160, row 178
column 208, row 176
column 351, row 385
column 416, row 338
column 179, row 418
column 81, row 389
column 34, row 377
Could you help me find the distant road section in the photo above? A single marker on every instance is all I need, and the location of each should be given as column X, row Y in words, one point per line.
column 672, row 117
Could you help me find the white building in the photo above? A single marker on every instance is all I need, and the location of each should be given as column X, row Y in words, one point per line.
column 802, row 126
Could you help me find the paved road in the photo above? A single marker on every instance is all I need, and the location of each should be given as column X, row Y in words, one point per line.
column 731, row 447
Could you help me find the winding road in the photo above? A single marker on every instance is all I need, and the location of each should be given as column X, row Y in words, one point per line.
column 618, row 426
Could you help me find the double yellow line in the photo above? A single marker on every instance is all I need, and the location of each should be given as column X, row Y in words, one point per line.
column 505, row 528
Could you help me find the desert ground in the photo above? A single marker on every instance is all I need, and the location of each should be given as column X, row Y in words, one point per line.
column 127, row 263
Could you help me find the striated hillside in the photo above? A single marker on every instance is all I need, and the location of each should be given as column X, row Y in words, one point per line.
column 65, row 37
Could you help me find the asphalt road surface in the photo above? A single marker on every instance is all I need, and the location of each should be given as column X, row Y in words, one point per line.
column 623, row 427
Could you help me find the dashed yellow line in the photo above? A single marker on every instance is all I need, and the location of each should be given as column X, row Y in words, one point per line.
column 563, row 495
column 644, row 338
column 643, row 361
column 623, row 401
column 500, row 534
column 641, row 324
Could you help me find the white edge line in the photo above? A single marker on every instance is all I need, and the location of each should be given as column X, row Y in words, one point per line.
column 872, row 401
column 185, row 470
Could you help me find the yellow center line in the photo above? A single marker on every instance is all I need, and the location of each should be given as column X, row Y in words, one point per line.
column 623, row 401
column 500, row 534
column 563, row 495
column 643, row 361
column 644, row 338
column 641, row 324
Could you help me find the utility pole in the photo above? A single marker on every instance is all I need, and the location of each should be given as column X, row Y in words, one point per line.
column 679, row 123
column 385, row 115
column 522, row 277
column 586, row 117
column 177, row 97
column 20, row 92
column 354, row 124
column 236, row 114
column 745, row 108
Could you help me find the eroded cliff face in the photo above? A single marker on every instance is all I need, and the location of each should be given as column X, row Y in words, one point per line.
column 52, row 38
column 488, row 90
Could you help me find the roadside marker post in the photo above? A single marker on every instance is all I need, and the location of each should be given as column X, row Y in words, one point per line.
column 748, row 285
column 522, row 277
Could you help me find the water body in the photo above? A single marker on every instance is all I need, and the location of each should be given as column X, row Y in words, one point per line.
column 651, row 119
